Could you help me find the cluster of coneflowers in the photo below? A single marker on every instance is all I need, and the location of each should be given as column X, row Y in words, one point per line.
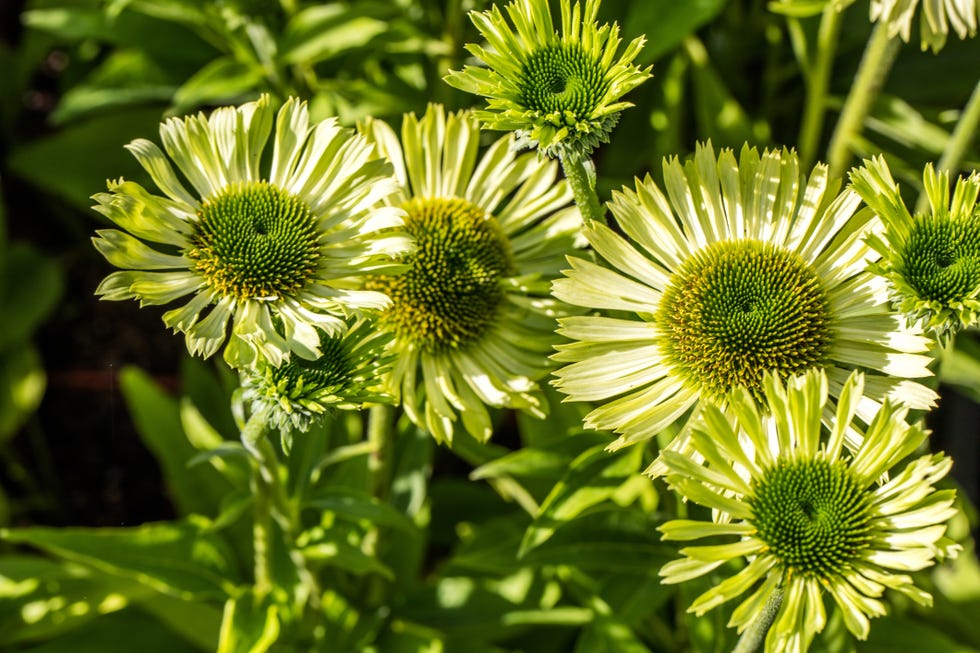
column 772, row 320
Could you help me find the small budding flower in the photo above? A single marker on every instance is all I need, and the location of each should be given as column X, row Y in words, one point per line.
column 743, row 267
column 807, row 517
column 348, row 374
column 277, row 253
column 932, row 261
column 560, row 93
column 473, row 319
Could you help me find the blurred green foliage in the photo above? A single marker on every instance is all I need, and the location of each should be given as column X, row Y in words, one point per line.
column 543, row 543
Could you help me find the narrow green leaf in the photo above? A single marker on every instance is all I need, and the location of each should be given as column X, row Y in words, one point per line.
column 30, row 286
column 181, row 559
column 22, row 384
column 196, row 621
column 122, row 632
column 74, row 162
column 250, row 624
column 41, row 598
column 351, row 504
column 609, row 634
column 195, row 489
column 666, row 23
column 593, row 477
column 322, row 32
column 349, row 558
column 221, row 81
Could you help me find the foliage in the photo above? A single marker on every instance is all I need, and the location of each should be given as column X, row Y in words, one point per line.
column 364, row 533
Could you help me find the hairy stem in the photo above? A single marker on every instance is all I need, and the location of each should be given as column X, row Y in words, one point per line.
column 253, row 436
column 754, row 636
column 879, row 55
column 582, row 183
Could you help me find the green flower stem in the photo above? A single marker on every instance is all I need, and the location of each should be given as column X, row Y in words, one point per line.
column 879, row 55
column 381, row 436
column 583, row 187
column 818, row 79
column 253, row 435
column 754, row 636
column 963, row 134
column 272, row 502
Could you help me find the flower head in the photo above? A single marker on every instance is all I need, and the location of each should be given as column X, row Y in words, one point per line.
column 938, row 16
column 743, row 267
column 277, row 252
column 348, row 374
column 562, row 92
column 472, row 317
column 932, row 261
column 807, row 517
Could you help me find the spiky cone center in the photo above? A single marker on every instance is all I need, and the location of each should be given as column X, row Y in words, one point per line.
column 331, row 372
column 737, row 309
column 812, row 515
column 254, row 240
column 563, row 79
column 941, row 258
column 452, row 290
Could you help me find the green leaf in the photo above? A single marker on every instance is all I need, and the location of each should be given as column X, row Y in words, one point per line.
column 30, row 286
column 961, row 366
column 593, row 477
column 666, row 23
column 407, row 637
column 75, row 161
column 897, row 633
column 42, row 598
column 126, row 29
column 209, row 385
column 22, row 383
column 121, row 632
column 196, row 621
column 197, row 489
column 351, row 504
column 230, row 459
column 347, row 557
column 221, row 81
column 124, row 77
column 609, row 634
column 181, row 559
column 250, row 625
column 323, row 32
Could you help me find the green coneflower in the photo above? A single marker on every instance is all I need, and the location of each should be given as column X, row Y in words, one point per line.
column 806, row 516
column 348, row 374
column 561, row 93
column 932, row 261
column 473, row 318
column 278, row 253
column 743, row 267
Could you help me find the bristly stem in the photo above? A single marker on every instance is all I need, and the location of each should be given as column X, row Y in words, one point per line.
column 582, row 183
column 381, row 436
column 817, row 82
column 754, row 636
column 253, row 435
column 879, row 55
